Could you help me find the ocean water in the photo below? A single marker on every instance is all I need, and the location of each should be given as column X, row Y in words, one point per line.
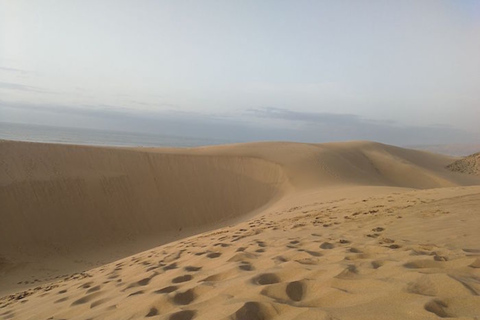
column 40, row 133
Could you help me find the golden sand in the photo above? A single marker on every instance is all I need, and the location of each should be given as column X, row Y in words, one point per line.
column 355, row 230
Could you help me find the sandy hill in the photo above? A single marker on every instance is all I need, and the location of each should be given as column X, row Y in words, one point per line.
column 469, row 164
column 295, row 223
column 456, row 149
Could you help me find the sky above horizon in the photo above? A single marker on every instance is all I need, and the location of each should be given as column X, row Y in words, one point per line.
column 401, row 72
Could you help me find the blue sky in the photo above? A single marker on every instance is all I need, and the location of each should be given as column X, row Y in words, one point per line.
column 391, row 71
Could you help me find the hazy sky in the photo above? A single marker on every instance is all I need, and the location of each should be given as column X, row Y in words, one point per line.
column 392, row 71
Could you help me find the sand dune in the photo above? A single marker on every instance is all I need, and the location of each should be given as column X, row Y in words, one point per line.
column 71, row 195
column 355, row 230
column 468, row 165
column 69, row 202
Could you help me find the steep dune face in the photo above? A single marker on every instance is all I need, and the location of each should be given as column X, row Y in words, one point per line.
column 61, row 196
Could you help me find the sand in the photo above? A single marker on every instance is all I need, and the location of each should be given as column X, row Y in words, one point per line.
column 469, row 164
column 355, row 230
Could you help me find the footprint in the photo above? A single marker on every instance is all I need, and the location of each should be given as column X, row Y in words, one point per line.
column 314, row 253
column 136, row 293
column 475, row 264
column 184, row 298
column 245, row 266
column 153, row 312
column 437, row 307
column 394, row 246
column 183, row 315
column 61, row 300
column 423, row 286
column 349, row 273
column 377, row 264
column 236, row 238
column 93, row 289
column 250, row 311
column 422, row 264
column 192, row 269
column 183, row 278
column 8, row 315
column 471, row 283
column 85, row 285
column 167, row 289
column 308, row 261
column 214, row 255
column 440, row 258
column 266, row 278
column 86, row 299
column 243, row 256
column 295, row 290
column 141, row 283
column 327, row 245
column 170, row 266
column 98, row 302
column 280, row 259
column 261, row 244
column 472, row 251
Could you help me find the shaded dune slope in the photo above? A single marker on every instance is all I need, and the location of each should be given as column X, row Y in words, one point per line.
column 77, row 197
column 66, row 196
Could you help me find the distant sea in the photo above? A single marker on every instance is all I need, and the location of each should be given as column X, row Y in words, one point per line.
column 40, row 133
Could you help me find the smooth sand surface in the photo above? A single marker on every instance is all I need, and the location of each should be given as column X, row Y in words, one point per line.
column 354, row 230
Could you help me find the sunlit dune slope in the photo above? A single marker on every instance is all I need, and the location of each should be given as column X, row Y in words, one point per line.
column 361, row 163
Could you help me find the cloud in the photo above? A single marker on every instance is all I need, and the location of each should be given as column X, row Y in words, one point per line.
column 321, row 117
column 21, row 87
column 337, row 127
column 6, row 69
column 275, row 124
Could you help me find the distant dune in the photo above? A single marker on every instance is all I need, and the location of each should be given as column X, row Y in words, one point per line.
column 469, row 165
column 67, row 208
column 455, row 149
